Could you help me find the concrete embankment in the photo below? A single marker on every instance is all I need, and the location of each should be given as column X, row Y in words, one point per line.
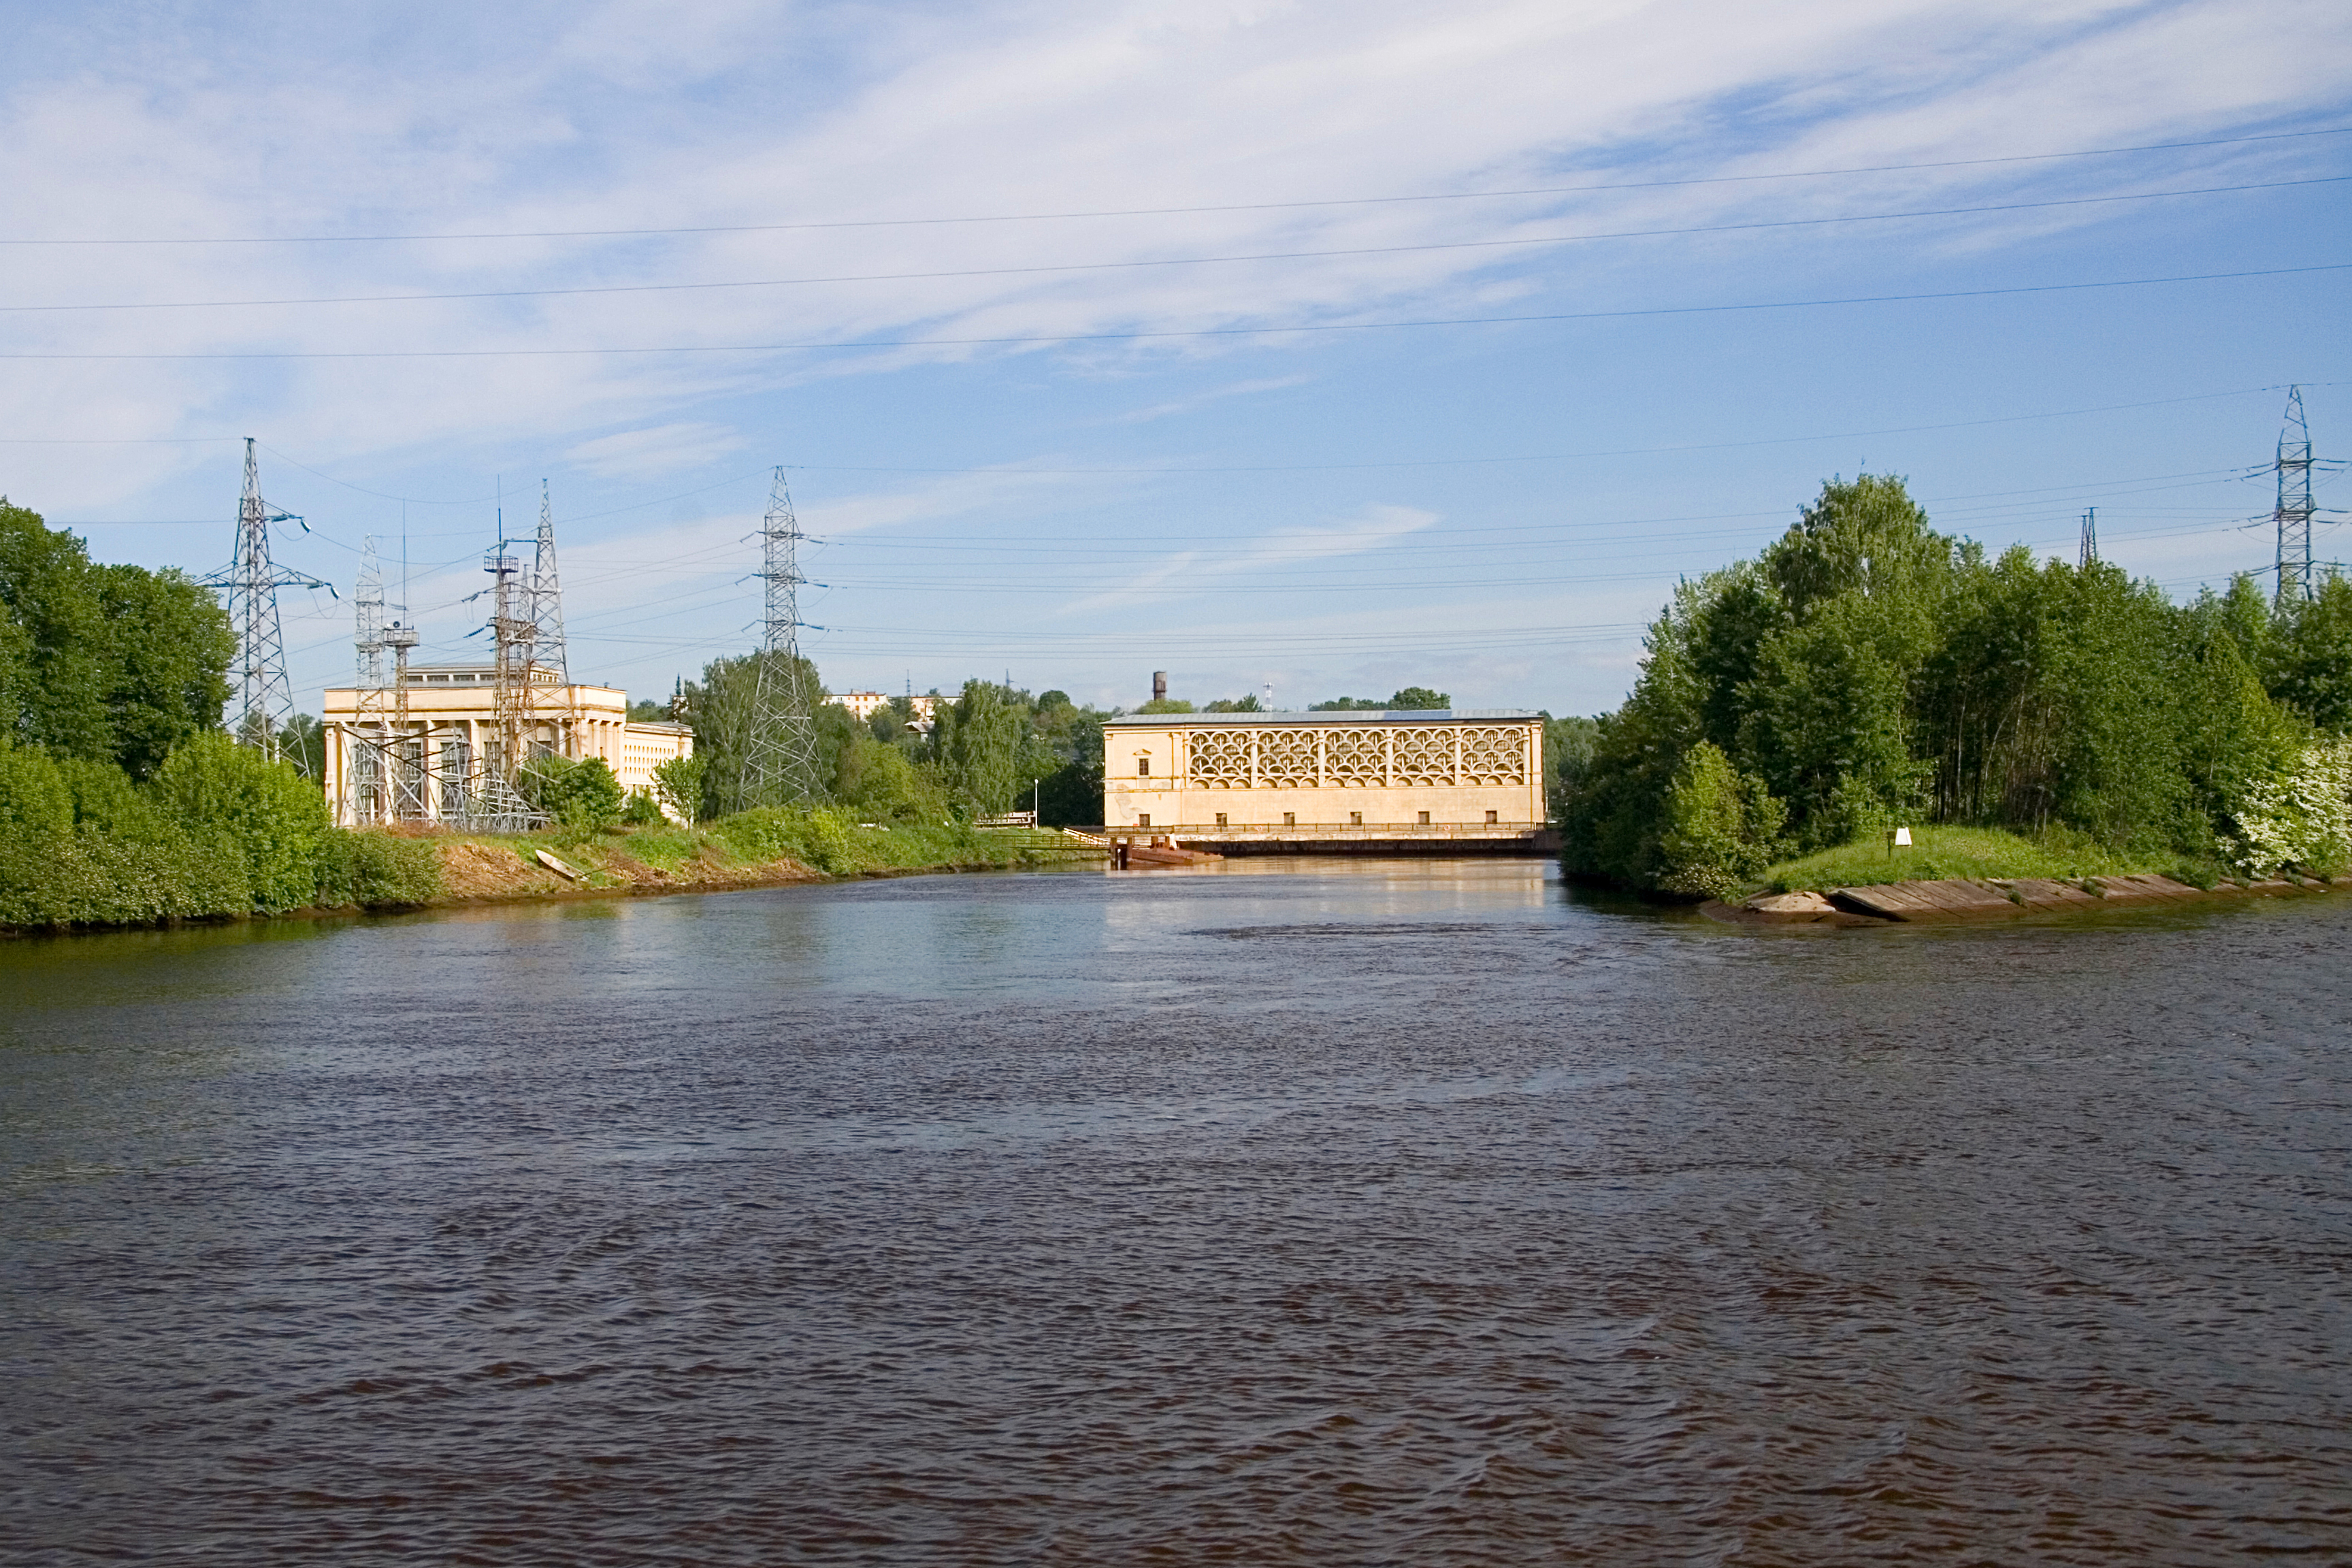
column 1959, row 899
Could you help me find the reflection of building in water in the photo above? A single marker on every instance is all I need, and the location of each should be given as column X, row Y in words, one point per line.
column 429, row 759
column 1453, row 781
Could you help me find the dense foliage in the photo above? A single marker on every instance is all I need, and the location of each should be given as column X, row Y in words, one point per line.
column 111, row 664
column 1866, row 669
column 120, row 800
column 218, row 831
column 574, row 794
column 1408, row 699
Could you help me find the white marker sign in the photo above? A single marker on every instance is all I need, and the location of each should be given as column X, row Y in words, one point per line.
column 1902, row 838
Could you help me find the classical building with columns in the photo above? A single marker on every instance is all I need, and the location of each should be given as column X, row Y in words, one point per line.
column 436, row 736
column 1442, row 781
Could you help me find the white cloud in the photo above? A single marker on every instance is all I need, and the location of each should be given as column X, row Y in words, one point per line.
column 648, row 453
column 1014, row 109
column 1201, row 570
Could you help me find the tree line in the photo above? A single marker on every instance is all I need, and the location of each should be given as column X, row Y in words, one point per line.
column 989, row 748
column 121, row 800
column 1866, row 670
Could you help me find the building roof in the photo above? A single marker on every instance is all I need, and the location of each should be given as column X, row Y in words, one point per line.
column 1326, row 716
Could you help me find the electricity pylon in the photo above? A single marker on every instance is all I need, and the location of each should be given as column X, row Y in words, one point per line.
column 2293, row 510
column 263, row 698
column 780, row 755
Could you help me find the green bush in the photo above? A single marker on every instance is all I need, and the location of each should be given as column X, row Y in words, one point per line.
column 823, row 837
column 89, row 879
column 375, row 870
column 271, row 814
column 575, row 794
column 34, row 801
column 1721, row 828
column 642, row 810
column 2300, row 816
column 678, row 782
column 881, row 784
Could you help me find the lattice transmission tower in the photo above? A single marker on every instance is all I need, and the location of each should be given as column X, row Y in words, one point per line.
column 779, row 754
column 263, row 697
column 493, row 800
column 547, row 595
column 2090, row 537
column 2294, row 511
column 385, row 782
column 552, row 660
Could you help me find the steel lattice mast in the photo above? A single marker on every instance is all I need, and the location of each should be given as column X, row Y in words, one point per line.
column 2294, row 511
column 263, row 697
column 547, row 595
column 780, row 755
column 371, row 730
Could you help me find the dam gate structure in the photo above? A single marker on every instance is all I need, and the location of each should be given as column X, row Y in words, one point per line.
column 1382, row 782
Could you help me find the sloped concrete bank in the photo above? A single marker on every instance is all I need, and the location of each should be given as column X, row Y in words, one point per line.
column 1964, row 898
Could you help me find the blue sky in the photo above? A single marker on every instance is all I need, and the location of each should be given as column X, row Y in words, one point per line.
column 1160, row 470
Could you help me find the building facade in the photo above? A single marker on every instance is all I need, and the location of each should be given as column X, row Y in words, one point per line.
column 866, row 704
column 423, row 751
column 1232, row 781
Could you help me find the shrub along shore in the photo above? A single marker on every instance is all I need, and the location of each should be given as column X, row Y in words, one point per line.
column 223, row 833
column 164, row 873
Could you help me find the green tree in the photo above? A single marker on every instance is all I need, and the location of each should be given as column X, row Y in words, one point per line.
column 168, row 647
column 1719, row 829
column 34, row 800
column 979, row 746
column 678, row 783
column 108, row 663
column 1419, row 699
column 54, row 645
column 2307, row 662
column 272, row 815
column 882, row 784
column 583, row 794
column 724, row 703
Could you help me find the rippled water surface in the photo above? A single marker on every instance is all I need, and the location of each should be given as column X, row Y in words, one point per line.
column 1311, row 1213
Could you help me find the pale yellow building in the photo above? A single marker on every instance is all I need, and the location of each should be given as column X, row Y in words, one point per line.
column 866, row 704
column 1467, row 777
column 435, row 757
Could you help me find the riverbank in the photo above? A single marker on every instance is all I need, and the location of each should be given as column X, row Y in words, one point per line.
column 730, row 855
column 756, row 849
column 1968, row 898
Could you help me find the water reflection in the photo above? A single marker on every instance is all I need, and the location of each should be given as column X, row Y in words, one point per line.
column 1306, row 1212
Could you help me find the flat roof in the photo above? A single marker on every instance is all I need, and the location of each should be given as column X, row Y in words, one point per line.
column 1328, row 715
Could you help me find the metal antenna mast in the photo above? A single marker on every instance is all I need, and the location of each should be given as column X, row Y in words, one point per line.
column 780, row 762
column 2090, row 536
column 2294, row 508
column 264, row 696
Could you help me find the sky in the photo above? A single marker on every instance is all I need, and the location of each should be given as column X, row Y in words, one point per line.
column 1329, row 348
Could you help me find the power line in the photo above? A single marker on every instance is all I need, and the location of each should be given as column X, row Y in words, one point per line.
column 1185, row 211
column 1043, row 341
column 1059, row 267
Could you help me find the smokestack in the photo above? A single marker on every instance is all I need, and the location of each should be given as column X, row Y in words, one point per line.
column 1159, row 686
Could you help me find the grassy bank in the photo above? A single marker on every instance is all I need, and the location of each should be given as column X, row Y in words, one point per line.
column 90, row 880
column 1976, row 852
column 757, row 846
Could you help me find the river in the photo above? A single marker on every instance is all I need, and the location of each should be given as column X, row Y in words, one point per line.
column 1283, row 1213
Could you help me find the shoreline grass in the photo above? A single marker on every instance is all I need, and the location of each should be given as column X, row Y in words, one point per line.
column 1939, row 853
